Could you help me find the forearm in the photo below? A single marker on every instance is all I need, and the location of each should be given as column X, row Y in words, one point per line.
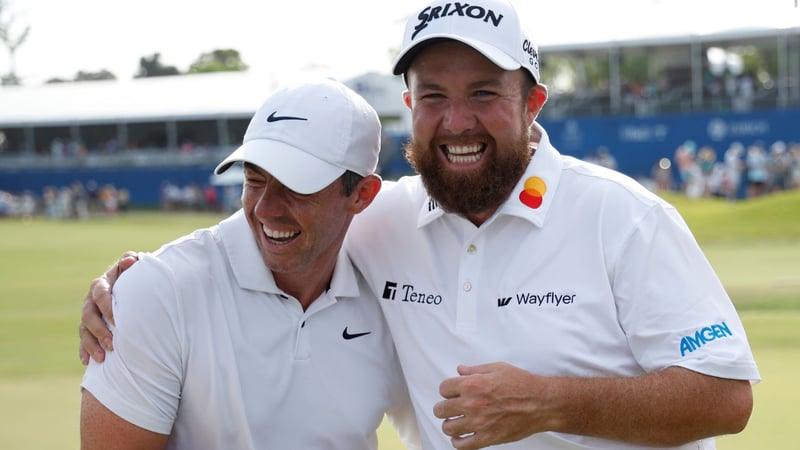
column 666, row 408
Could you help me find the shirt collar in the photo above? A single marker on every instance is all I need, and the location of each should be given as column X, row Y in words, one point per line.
column 251, row 273
column 533, row 194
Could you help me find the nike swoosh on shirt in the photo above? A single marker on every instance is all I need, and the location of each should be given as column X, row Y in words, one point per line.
column 273, row 118
column 349, row 336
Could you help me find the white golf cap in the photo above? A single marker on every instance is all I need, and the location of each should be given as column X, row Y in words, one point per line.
column 491, row 27
column 308, row 134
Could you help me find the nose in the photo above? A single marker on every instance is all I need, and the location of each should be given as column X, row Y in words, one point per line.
column 458, row 117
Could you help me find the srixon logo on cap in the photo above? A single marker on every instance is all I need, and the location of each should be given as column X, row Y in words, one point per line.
column 429, row 14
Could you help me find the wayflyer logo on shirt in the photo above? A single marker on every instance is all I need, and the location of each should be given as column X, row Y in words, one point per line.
column 533, row 192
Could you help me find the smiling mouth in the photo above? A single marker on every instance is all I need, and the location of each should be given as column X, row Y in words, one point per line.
column 464, row 154
column 279, row 237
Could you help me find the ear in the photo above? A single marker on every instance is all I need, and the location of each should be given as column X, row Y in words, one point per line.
column 365, row 192
column 407, row 99
column 537, row 96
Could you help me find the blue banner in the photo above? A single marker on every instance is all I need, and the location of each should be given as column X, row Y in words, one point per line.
column 637, row 143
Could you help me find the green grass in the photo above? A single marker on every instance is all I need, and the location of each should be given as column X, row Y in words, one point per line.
column 45, row 268
column 770, row 218
column 775, row 339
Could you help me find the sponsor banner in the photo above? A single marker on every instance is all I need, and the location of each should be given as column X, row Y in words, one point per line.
column 638, row 143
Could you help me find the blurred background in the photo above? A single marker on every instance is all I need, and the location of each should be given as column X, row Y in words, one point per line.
column 114, row 114
column 699, row 97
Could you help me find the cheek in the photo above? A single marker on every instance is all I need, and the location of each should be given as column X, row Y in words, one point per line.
column 329, row 221
column 504, row 126
column 424, row 122
column 249, row 199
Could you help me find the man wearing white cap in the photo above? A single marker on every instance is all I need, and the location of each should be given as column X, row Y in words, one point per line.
column 535, row 300
column 258, row 332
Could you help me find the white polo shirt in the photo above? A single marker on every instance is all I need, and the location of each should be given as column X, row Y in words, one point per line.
column 207, row 348
column 581, row 272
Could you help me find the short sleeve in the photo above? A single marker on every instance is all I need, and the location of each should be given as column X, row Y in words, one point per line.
column 140, row 380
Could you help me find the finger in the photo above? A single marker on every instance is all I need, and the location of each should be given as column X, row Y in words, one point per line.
column 101, row 288
column 99, row 297
column 125, row 262
column 455, row 426
column 446, row 409
column 480, row 368
column 89, row 346
column 450, row 388
column 466, row 442
column 96, row 329
column 82, row 353
column 461, row 437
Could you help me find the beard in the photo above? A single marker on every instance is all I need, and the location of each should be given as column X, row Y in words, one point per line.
column 468, row 193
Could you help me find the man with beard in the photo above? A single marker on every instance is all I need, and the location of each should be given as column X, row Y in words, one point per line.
column 534, row 299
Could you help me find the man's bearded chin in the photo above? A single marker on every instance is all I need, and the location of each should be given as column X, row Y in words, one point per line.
column 474, row 192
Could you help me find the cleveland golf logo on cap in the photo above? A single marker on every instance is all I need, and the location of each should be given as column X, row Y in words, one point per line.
column 477, row 12
column 533, row 55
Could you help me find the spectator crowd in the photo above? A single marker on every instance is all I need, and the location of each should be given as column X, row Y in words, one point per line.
column 75, row 201
column 79, row 201
column 738, row 172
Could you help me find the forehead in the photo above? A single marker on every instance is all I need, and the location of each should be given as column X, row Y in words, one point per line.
column 450, row 52
column 252, row 168
column 451, row 62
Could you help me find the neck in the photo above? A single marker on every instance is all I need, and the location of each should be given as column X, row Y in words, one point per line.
column 479, row 218
column 308, row 284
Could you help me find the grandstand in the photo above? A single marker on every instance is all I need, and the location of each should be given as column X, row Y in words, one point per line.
column 735, row 70
column 643, row 98
column 144, row 133
column 639, row 99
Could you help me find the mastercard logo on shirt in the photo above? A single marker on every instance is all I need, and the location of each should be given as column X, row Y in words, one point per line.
column 532, row 193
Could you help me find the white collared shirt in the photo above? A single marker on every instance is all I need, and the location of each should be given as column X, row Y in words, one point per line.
column 584, row 273
column 207, row 348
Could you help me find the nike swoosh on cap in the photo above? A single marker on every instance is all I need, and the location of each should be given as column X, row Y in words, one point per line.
column 273, row 118
column 349, row 336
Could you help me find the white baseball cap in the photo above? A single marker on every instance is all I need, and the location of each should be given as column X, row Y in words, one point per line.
column 308, row 134
column 491, row 27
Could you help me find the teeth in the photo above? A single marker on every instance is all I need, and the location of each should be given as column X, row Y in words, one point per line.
column 273, row 234
column 462, row 154
column 464, row 159
column 463, row 149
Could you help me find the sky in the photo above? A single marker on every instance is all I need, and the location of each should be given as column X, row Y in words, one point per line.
column 341, row 38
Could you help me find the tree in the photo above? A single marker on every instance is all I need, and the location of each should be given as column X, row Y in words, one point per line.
column 152, row 67
column 85, row 76
column 94, row 76
column 221, row 60
column 11, row 41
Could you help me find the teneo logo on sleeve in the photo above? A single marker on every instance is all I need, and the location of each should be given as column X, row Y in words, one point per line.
column 703, row 336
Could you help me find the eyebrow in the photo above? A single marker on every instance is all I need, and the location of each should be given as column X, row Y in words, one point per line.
column 252, row 169
column 492, row 83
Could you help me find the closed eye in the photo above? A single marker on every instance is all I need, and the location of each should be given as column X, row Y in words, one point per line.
column 484, row 94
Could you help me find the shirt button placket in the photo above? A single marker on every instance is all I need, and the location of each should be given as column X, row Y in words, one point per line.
column 467, row 305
